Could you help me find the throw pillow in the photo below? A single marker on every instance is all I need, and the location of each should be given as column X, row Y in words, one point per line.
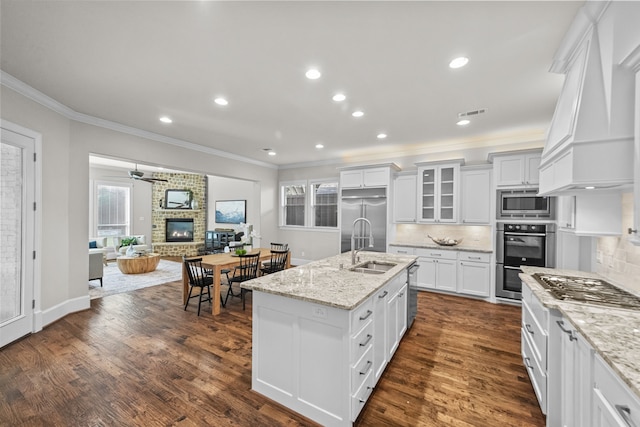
column 93, row 244
column 128, row 241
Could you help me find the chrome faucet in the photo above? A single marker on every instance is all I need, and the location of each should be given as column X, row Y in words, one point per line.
column 354, row 252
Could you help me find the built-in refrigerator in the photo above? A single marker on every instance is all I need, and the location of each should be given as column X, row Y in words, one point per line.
column 370, row 203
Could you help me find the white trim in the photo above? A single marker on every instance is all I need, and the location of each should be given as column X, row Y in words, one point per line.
column 63, row 309
column 24, row 89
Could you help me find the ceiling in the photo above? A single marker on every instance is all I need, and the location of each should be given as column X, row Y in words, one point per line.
column 131, row 62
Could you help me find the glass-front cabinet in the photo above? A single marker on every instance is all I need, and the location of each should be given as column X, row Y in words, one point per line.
column 438, row 192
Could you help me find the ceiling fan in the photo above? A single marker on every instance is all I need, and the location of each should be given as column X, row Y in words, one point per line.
column 139, row 176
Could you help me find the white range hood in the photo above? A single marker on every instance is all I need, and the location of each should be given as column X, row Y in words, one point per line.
column 590, row 140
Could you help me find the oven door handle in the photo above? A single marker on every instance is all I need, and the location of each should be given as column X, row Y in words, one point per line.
column 511, row 268
column 508, row 233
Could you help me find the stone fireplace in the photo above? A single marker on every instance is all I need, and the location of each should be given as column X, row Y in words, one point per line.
column 179, row 230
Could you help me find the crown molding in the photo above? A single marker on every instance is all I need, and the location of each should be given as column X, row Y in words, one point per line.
column 24, row 89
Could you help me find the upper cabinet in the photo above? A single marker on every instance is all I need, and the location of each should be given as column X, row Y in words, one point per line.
column 366, row 177
column 591, row 214
column 438, row 192
column 404, row 198
column 517, row 170
column 475, row 203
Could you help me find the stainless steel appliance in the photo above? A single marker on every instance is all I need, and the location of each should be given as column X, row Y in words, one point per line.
column 412, row 285
column 521, row 244
column 524, row 204
column 369, row 203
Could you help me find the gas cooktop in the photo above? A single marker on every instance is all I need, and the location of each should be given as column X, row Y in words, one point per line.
column 586, row 290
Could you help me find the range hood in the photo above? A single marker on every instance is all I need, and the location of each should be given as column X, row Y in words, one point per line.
column 590, row 140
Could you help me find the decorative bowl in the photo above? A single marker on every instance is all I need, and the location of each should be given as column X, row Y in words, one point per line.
column 445, row 241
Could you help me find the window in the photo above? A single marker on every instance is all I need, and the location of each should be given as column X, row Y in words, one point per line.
column 325, row 204
column 113, row 209
column 315, row 207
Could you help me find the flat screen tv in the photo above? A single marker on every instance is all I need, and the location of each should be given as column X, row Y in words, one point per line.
column 231, row 211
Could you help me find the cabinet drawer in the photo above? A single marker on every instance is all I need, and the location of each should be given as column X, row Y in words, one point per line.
column 360, row 370
column 401, row 250
column 360, row 342
column 361, row 315
column 436, row 253
column 537, row 376
column 536, row 335
column 474, row 256
column 621, row 400
column 359, row 399
column 536, row 308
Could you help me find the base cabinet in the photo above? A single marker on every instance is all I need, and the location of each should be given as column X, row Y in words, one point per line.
column 613, row 403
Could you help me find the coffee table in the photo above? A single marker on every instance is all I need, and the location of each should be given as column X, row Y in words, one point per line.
column 138, row 264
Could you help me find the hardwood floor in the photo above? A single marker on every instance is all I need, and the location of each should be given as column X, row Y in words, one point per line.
column 139, row 359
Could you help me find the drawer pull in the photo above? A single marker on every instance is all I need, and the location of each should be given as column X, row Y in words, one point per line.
column 526, row 362
column 571, row 336
column 365, row 342
column 435, row 254
column 384, row 294
column 366, row 368
column 366, row 398
column 528, row 328
column 369, row 313
column 474, row 257
column 402, row 252
column 625, row 413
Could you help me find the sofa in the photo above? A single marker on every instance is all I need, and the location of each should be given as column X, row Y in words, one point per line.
column 98, row 245
column 139, row 245
column 96, row 264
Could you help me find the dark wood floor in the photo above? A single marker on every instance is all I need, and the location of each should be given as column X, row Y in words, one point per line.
column 139, row 359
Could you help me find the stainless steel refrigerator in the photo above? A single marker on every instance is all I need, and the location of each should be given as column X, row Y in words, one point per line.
column 370, row 203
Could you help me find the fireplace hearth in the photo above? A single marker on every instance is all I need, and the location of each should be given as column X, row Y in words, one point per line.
column 179, row 230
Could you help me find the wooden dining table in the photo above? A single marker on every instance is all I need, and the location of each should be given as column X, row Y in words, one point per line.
column 217, row 263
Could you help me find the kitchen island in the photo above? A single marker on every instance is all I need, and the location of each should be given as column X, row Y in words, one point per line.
column 323, row 334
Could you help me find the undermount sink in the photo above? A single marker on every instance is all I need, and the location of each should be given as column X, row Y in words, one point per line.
column 373, row 267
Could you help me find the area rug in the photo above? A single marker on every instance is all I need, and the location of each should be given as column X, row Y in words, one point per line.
column 115, row 282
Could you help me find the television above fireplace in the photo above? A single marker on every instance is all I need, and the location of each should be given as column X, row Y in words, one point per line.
column 179, row 230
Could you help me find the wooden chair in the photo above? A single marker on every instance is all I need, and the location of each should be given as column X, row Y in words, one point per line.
column 275, row 247
column 198, row 278
column 277, row 262
column 247, row 270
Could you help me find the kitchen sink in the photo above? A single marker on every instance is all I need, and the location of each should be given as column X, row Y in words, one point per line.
column 373, row 267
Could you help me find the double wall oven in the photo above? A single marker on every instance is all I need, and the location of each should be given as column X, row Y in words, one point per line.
column 521, row 244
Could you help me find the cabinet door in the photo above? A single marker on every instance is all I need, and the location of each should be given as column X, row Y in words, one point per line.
column 603, row 414
column 375, row 177
column 401, row 322
column 476, row 196
column 566, row 211
column 392, row 324
column 427, row 273
column 404, row 198
column 532, row 163
column 447, row 178
column 380, row 332
column 474, row 278
column 445, row 274
column 509, row 170
column 427, row 192
column 351, row 179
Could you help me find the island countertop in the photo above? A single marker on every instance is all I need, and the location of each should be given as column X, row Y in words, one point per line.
column 329, row 281
column 614, row 333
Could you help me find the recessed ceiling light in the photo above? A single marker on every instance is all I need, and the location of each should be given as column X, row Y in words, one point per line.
column 339, row 97
column 313, row 74
column 589, row 187
column 319, row 146
column 459, row 62
column 463, row 122
column 221, row 101
column 357, row 114
column 165, row 119
column 382, row 136
column 272, row 153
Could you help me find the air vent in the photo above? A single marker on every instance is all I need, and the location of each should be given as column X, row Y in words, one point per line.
column 472, row 113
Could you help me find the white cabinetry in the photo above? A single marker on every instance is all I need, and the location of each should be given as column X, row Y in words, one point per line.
column 402, row 250
column 404, row 198
column 365, row 177
column 613, row 403
column 591, row 214
column 474, row 274
column 437, row 269
column 517, row 170
column 475, row 194
column 397, row 315
column 438, row 192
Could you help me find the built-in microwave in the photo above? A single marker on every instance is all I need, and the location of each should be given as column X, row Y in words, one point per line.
column 524, row 204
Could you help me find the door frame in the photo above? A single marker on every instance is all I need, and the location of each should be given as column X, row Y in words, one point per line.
column 36, row 264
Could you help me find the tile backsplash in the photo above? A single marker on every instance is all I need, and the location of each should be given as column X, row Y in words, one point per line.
column 616, row 258
column 474, row 236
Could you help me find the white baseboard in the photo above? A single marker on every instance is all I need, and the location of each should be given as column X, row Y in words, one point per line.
column 57, row 312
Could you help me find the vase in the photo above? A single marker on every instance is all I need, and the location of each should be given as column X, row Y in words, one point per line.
column 130, row 251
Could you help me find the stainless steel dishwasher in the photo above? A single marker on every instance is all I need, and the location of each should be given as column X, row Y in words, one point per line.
column 412, row 285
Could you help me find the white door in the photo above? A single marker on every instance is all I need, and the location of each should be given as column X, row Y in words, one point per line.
column 17, row 222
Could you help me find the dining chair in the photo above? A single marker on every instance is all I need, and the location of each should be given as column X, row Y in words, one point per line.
column 275, row 247
column 198, row 278
column 246, row 270
column 277, row 262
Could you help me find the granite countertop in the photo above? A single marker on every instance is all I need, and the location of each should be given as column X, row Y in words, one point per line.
column 325, row 282
column 613, row 332
column 433, row 245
